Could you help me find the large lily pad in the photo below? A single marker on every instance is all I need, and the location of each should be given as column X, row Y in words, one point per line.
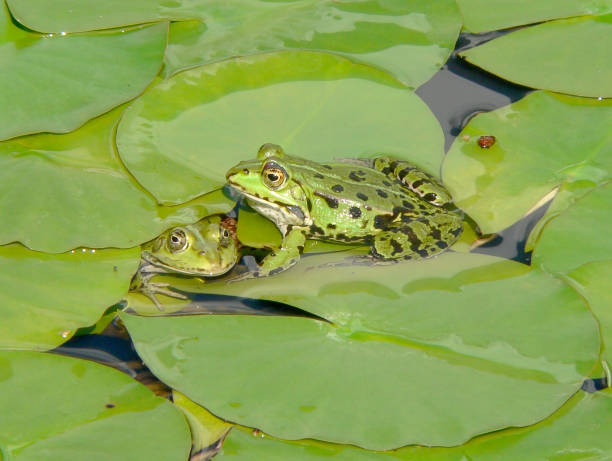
column 484, row 15
column 533, row 57
column 180, row 138
column 57, row 83
column 543, row 141
column 45, row 298
column 578, row 431
column 410, row 38
column 379, row 375
column 59, row 408
column 80, row 194
column 592, row 281
column 578, row 235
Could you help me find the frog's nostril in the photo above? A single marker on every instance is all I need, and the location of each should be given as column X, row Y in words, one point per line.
column 245, row 170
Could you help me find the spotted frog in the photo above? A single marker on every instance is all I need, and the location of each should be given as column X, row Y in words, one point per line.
column 391, row 205
column 207, row 248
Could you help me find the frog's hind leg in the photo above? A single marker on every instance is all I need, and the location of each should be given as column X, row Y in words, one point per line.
column 413, row 178
column 417, row 238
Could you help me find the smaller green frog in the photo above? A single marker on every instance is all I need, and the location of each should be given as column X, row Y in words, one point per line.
column 207, row 248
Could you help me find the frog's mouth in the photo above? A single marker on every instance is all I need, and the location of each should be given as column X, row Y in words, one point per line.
column 213, row 272
column 280, row 214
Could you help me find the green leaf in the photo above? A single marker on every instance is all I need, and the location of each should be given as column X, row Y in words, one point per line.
column 206, row 429
column 592, row 281
column 181, row 137
column 533, row 56
column 484, row 15
column 411, row 39
column 578, row 431
column 45, row 298
column 57, row 83
column 59, row 408
column 253, row 230
column 578, row 235
column 542, row 141
column 80, row 194
column 404, row 362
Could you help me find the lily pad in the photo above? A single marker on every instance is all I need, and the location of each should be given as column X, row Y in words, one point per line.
column 181, row 137
column 411, row 39
column 379, row 375
column 71, row 79
column 60, row 408
column 578, row 431
column 533, row 57
column 535, row 152
column 206, row 429
column 484, row 15
column 80, row 194
column 578, row 235
column 592, row 281
column 45, row 298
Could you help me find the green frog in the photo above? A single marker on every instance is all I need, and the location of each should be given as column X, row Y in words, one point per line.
column 207, row 248
column 397, row 209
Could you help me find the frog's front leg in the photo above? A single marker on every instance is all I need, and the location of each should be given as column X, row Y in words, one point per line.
column 418, row 238
column 141, row 282
column 413, row 178
column 282, row 258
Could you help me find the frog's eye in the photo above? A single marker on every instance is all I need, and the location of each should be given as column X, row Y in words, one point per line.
column 177, row 241
column 274, row 176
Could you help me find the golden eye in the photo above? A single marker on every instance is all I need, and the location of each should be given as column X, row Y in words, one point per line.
column 177, row 241
column 274, row 176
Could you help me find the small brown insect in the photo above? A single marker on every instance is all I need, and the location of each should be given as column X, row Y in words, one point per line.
column 486, row 141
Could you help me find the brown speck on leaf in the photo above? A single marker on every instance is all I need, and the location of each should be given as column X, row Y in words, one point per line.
column 110, row 405
column 465, row 137
column 486, row 141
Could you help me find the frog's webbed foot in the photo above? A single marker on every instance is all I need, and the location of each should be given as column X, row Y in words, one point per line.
column 150, row 289
column 142, row 283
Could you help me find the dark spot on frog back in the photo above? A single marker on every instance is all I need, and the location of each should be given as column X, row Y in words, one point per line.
column 319, row 176
column 314, row 229
column 355, row 212
column 332, row 202
column 355, row 177
column 361, row 196
column 381, row 222
column 382, row 193
column 337, row 188
column 397, row 247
